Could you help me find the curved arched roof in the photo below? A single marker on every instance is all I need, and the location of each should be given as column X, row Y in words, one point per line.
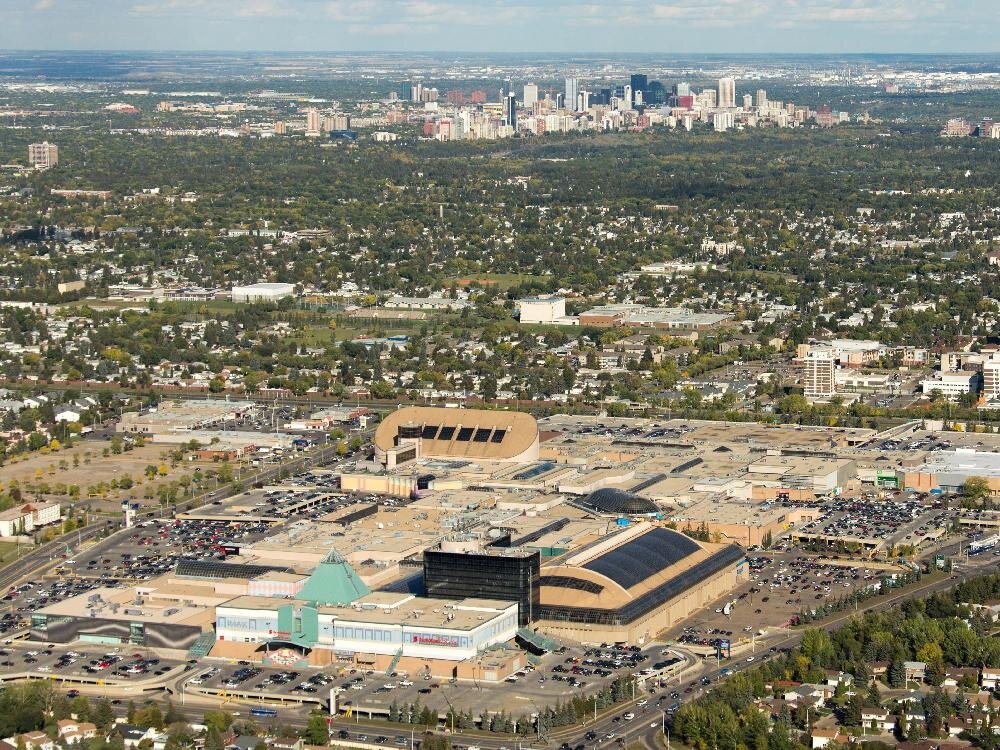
column 612, row 501
column 466, row 433
column 658, row 559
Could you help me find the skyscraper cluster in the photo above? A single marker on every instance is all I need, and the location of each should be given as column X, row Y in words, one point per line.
column 636, row 104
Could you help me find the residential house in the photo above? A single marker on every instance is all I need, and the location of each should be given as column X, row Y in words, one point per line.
column 132, row 735
column 878, row 718
column 955, row 675
column 823, row 737
column 915, row 670
column 33, row 741
column 73, row 732
column 990, row 679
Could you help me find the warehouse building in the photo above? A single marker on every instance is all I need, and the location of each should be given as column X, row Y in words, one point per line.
column 415, row 432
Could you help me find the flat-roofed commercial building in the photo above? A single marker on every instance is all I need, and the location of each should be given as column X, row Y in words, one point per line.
column 542, row 309
column 665, row 318
column 176, row 416
column 476, row 434
column 634, row 584
column 383, row 630
column 263, row 292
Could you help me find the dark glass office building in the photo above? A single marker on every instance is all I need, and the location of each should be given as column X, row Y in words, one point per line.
column 507, row 574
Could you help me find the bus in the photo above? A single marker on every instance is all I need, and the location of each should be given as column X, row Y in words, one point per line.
column 268, row 712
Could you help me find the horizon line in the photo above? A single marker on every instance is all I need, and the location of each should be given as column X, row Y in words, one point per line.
column 615, row 53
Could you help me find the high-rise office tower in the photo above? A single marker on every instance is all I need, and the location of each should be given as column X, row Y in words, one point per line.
column 560, row 100
column 627, row 97
column 747, row 102
column 583, row 101
column 571, row 92
column 510, row 110
column 727, row 93
column 761, row 99
column 530, row 95
column 43, row 155
column 639, row 82
column 682, row 89
column 656, row 94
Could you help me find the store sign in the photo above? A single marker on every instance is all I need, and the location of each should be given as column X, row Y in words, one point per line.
column 434, row 640
column 279, row 634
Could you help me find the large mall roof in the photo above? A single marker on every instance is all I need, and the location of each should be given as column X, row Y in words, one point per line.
column 460, row 433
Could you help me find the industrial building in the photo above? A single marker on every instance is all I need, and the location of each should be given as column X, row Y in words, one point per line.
column 415, row 432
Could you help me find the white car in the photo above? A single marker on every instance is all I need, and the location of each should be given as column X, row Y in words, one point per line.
column 642, row 702
column 405, row 683
column 750, row 659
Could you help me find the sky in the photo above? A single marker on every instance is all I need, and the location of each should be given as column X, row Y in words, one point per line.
column 659, row 26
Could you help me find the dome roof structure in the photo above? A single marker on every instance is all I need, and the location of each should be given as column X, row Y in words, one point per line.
column 610, row 501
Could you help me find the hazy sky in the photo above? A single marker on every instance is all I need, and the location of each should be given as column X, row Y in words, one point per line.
column 511, row 26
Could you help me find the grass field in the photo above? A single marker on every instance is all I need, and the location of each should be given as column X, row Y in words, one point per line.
column 8, row 551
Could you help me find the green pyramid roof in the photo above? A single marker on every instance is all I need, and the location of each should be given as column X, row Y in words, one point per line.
column 333, row 582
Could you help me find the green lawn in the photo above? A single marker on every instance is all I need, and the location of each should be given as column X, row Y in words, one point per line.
column 8, row 551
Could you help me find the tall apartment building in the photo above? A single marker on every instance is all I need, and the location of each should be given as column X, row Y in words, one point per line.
column 43, row 155
column 313, row 124
column 991, row 377
column 819, row 375
column 727, row 92
column 761, row 99
column 337, row 121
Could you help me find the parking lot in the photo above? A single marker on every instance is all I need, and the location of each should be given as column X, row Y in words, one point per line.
column 782, row 585
column 307, row 496
column 20, row 601
column 154, row 547
column 86, row 661
column 557, row 677
column 904, row 520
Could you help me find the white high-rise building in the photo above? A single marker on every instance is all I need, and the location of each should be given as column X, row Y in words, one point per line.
column 627, row 97
column 571, row 92
column 991, row 377
column 819, row 375
column 761, row 99
column 43, row 155
column 723, row 121
column 530, row 95
column 727, row 93
column 747, row 102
